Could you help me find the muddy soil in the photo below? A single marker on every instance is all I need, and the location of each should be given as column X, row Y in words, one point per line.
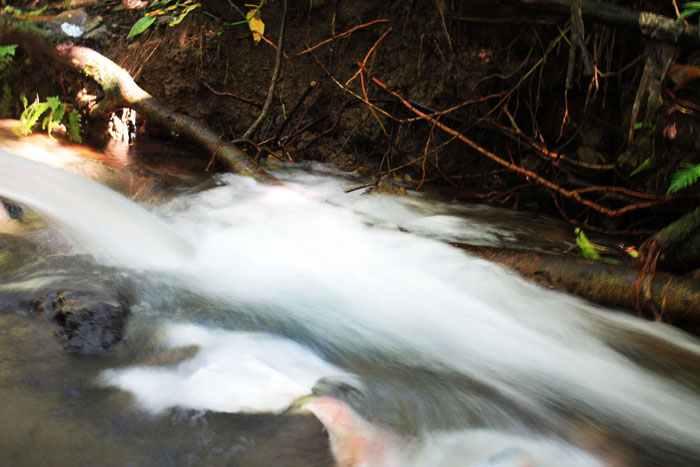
column 503, row 65
column 184, row 65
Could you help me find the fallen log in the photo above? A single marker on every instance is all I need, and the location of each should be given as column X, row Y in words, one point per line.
column 677, row 298
column 122, row 91
column 656, row 26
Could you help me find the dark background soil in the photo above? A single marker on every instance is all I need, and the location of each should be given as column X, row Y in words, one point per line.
column 438, row 54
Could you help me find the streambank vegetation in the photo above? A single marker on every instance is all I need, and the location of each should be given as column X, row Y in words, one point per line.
column 582, row 110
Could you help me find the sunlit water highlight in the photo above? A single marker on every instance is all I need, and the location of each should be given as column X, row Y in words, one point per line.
column 450, row 359
column 91, row 213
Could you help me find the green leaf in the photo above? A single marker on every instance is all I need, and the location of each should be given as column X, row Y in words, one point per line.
column 37, row 12
column 638, row 125
column 74, row 126
column 685, row 14
column 140, row 26
column 183, row 14
column 7, row 50
column 5, row 101
column 687, row 175
column 643, row 166
column 31, row 115
column 588, row 249
column 7, row 54
column 56, row 111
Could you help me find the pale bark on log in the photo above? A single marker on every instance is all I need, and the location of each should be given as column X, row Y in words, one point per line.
column 121, row 91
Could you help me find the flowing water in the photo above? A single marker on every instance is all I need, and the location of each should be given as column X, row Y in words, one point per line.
column 246, row 297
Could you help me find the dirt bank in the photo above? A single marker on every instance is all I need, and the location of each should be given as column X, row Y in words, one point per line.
column 513, row 117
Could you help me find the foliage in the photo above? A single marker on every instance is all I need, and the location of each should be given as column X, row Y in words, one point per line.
column 56, row 111
column 74, row 126
column 5, row 100
column 141, row 25
column 255, row 23
column 176, row 10
column 252, row 18
column 689, row 9
column 7, row 55
column 590, row 250
column 646, row 163
column 687, row 175
column 648, row 138
column 17, row 12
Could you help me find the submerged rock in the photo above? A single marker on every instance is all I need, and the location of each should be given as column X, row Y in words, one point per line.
column 89, row 323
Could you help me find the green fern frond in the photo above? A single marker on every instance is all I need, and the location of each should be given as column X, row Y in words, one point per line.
column 5, row 100
column 74, row 126
column 57, row 110
column 7, row 55
column 687, row 175
column 31, row 115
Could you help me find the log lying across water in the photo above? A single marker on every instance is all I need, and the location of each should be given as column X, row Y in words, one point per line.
column 677, row 298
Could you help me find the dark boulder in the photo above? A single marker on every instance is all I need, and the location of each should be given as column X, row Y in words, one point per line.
column 89, row 323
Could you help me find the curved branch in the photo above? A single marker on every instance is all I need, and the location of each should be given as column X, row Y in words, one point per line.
column 571, row 194
column 121, row 91
column 273, row 82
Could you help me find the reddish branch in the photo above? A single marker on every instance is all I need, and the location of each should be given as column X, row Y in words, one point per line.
column 342, row 34
column 516, row 168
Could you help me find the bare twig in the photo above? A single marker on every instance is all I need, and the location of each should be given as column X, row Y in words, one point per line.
column 342, row 34
column 229, row 94
column 273, row 82
column 518, row 169
column 310, row 87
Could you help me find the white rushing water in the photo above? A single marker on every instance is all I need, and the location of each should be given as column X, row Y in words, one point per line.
column 460, row 353
column 115, row 229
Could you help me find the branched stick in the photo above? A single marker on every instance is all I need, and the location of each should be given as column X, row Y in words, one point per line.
column 342, row 34
column 273, row 82
column 516, row 168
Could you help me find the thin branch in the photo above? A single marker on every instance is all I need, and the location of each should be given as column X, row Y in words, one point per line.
column 229, row 94
column 342, row 34
column 273, row 82
column 516, row 168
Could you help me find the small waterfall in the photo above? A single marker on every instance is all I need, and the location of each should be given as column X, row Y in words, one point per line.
column 444, row 352
column 115, row 228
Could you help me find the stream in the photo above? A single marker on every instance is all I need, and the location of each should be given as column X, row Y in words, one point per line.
column 247, row 297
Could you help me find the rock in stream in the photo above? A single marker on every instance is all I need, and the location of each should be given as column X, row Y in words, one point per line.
column 89, row 323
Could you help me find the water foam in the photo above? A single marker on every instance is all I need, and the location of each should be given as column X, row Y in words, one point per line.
column 358, row 277
column 231, row 372
column 117, row 230
column 293, row 255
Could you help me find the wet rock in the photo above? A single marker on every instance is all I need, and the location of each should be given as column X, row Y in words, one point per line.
column 89, row 323
column 12, row 210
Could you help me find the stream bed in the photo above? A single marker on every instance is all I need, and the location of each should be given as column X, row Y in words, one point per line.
column 245, row 298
